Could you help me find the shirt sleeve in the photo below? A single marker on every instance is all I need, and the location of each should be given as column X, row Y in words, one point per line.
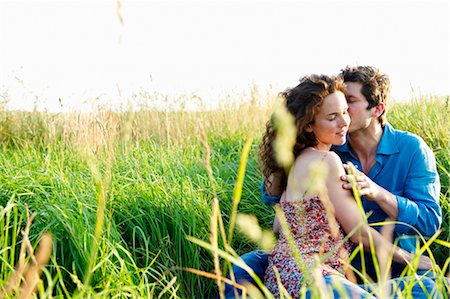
column 269, row 200
column 420, row 207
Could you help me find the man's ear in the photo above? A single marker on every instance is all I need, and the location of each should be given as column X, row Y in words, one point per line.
column 378, row 109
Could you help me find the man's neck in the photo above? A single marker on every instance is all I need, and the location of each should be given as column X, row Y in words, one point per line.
column 364, row 143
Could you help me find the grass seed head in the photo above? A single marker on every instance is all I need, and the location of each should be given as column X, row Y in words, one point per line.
column 284, row 124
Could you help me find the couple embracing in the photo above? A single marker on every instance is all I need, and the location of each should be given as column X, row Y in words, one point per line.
column 343, row 119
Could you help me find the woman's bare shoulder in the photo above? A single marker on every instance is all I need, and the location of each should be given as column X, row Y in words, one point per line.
column 334, row 163
column 333, row 158
column 315, row 158
column 328, row 157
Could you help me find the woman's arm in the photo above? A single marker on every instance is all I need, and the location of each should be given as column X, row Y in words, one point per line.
column 276, row 226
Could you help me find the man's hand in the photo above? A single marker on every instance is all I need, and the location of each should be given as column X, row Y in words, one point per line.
column 364, row 185
column 385, row 199
column 425, row 263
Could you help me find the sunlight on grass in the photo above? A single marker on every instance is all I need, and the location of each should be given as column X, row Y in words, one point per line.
column 144, row 203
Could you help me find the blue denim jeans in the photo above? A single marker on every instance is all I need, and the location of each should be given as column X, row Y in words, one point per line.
column 258, row 260
column 423, row 286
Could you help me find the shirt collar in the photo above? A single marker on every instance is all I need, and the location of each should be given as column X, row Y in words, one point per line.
column 387, row 145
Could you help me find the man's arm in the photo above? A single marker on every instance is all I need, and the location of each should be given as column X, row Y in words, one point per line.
column 351, row 219
column 418, row 206
column 272, row 188
column 368, row 188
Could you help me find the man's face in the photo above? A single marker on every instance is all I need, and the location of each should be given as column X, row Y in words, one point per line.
column 357, row 107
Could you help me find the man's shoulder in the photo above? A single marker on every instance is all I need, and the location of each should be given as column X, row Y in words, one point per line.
column 341, row 148
column 405, row 138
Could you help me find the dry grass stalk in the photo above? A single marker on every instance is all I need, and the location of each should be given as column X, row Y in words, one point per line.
column 385, row 260
column 25, row 279
column 215, row 244
column 33, row 274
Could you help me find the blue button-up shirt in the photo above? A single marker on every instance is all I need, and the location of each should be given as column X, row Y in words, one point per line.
column 406, row 167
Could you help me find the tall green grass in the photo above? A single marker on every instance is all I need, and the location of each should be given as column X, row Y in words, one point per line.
column 120, row 192
column 429, row 118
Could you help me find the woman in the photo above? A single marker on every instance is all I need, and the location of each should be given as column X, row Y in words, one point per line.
column 320, row 110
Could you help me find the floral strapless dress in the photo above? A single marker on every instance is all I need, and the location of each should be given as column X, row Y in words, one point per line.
column 314, row 234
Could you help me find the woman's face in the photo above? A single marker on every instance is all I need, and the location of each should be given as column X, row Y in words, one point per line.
column 331, row 122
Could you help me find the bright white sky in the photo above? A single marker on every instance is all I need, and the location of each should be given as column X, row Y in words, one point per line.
column 78, row 50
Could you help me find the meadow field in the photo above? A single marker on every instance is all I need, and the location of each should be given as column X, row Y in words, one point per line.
column 147, row 204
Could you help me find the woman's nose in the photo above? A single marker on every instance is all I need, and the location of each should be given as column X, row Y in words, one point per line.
column 344, row 121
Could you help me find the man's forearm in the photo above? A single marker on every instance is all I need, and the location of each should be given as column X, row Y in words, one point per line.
column 388, row 203
column 275, row 184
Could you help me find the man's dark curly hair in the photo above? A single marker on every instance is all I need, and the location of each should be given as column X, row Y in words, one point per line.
column 375, row 86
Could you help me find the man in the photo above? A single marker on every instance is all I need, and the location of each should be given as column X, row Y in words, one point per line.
column 397, row 170
column 398, row 175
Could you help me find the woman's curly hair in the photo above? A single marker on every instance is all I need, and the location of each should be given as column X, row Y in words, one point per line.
column 303, row 102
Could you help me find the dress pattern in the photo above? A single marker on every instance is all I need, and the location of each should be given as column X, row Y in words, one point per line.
column 310, row 227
